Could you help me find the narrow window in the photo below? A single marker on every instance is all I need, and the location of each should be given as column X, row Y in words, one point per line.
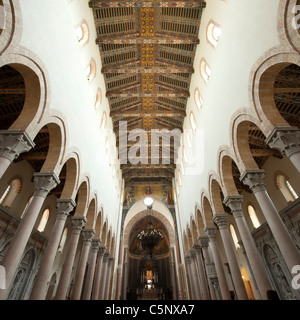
column 253, row 217
column 44, row 220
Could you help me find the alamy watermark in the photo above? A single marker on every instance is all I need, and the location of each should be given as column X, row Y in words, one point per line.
column 296, row 18
column 2, row 278
column 156, row 146
column 296, row 278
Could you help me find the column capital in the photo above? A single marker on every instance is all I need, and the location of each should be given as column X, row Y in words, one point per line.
column 87, row 235
column 188, row 258
column 285, row 139
column 101, row 251
column 44, row 182
column 221, row 220
column 95, row 245
column 197, row 247
column 192, row 254
column 254, row 179
column 110, row 261
column 13, row 143
column 64, row 207
column 203, row 242
column 235, row 204
column 211, row 233
column 77, row 224
column 106, row 256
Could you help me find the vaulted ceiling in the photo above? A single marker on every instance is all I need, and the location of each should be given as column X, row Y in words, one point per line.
column 147, row 51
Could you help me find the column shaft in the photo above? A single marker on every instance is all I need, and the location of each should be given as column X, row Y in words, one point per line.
column 87, row 239
column 211, row 232
column 44, row 182
column 104, row 276
column 254, row 179
column 64, row 207
column 97, row 279
column 221, row 221
column 91, row 269
column 201, row 272
column 63, row 285
column 255, row 260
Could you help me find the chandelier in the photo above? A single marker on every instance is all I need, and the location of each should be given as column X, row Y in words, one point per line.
column 150, row 237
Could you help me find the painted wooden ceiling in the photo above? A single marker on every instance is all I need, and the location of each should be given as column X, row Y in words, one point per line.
column 147, row 51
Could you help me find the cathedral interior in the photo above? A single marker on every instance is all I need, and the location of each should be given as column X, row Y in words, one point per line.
column 149, row 150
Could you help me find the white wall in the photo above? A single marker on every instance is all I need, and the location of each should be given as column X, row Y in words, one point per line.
column 70, row 92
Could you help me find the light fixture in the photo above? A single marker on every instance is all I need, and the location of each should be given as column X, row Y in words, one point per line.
column 148, row 201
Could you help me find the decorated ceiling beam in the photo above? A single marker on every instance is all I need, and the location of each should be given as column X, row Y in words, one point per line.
column 147, row 4
column 147, row 40
column 142, row 69
column 143, row 114
column 13, row 91
column 115, row 93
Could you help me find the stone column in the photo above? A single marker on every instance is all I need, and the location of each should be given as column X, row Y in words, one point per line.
column 77, row 224
column 212, row 233
column 43, row 183
column 64, row 207
column 104, row 275
column 97, row 278
column 194, row 270
column 201, row 272
column 188, row 260
column 12, row 144
column 91, row 269
column 203, row 242
column 172, row 272
column 87, row 235
column 255, row 180
column 221, row 221
column 287, row 141
column 108, row 276
column 255, row 260
column 125, row 274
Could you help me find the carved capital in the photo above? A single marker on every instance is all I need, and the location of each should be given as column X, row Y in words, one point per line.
column 203, row 242
column 254, row 179
column 44, row 182
column 188, row 259
column 106, row 257
column 101, row 251
column 197, row 247
column 193, row 254
column 13, row 143
column 77, row 224
column 110, row 261
column 211, row 233
column 64, row 207
column 87, row 235
column 285, row 139
column 235, row 205
column 95, row 245
column 221, row 220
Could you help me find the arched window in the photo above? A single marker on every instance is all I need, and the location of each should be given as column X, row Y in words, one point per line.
column 82, row 34
column 198, row 99
column 253, row 217
column 213, row 33
column 11, row 192
column 63, row 240
column 98, row 99
column 44, row 220
column 234, row 237
column 103, row 121
column 204, row 70
column 285, row 187
column 193, row 121
column 188, row 138
column 91, row 70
